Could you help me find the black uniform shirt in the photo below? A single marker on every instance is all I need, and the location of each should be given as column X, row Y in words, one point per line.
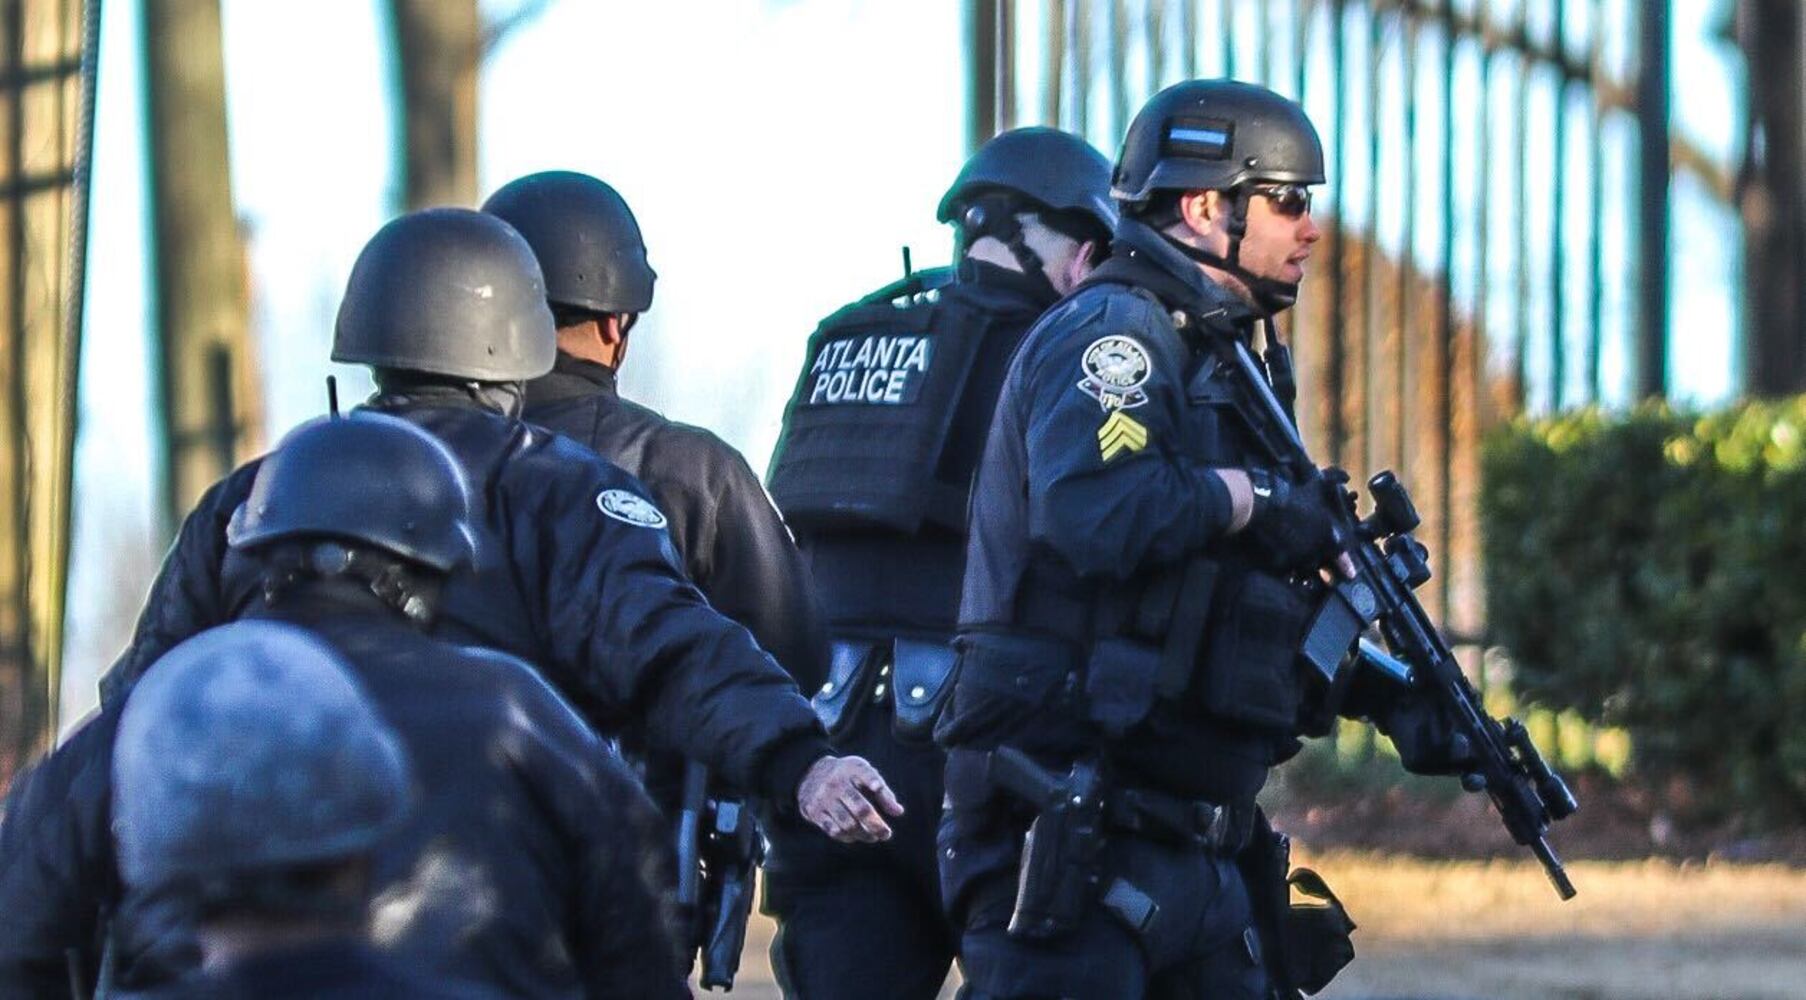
column 732, row 540
column 1096, row 479
column 576, row 575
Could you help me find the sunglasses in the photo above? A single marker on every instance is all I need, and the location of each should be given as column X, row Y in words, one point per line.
column 1292, row 201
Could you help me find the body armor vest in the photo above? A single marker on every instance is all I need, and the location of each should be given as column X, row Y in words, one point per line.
column 868, row 440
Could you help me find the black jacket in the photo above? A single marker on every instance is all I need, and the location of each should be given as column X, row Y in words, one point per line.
column 732, row 540
column 597, row 602
column 528, row 863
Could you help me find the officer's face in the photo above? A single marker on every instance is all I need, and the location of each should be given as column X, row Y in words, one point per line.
column 1280, row 233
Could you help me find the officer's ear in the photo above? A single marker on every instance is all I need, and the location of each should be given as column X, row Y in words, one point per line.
column 1200, row 210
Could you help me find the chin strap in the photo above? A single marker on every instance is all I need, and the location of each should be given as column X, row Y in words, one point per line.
column 1270, row 294
column 995, row 216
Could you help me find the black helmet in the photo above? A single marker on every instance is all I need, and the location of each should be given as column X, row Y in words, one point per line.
column 585, row 237
column 1054, row 169
column 246, row 748
column 1215, row 135
column 447, row 291
column 367, row 478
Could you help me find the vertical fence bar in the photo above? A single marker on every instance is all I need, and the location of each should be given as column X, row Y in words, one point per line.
column 1006, row 64
column 1443, row 390
column 1558, row 204
column 1370, row 254
column 1157, row 21
column 1336, row 365
column 1226, row 10
column 1595, row 197
column 981, row 72
column 1653, row 173
column 1520, row 350
column 1080, row 35
column 1406, row 277
column 1303, row 12
column 1119, row 65
column 1054, row 59
column 1189, row 38
column 1263, row 13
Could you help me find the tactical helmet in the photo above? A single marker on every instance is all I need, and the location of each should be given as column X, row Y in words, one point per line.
column 447, row 291
column 1215, row 135
column 1054, row 169
column 369, row 478
column 585, row 237
column 250, row 747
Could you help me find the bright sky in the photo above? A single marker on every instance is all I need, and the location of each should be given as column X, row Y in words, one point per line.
column 777, row 153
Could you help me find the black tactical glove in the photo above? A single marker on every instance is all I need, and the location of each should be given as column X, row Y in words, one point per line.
column 1427, row 742
column 1292, row 526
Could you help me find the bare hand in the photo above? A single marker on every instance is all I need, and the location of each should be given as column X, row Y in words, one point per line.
column 842, row 796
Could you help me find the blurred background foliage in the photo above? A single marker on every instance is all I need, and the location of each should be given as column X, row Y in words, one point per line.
column 1645, row 571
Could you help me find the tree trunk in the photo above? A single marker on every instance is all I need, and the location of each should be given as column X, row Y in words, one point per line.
column 1772, row 198
column 437, row 48
column 45, row 132
column 207, row 381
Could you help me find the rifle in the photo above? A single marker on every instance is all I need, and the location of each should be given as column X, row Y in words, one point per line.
column 718, row 851
column 1389, row 565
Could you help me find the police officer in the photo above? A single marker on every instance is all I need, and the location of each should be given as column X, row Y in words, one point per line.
column 254, row 780
column 732, row 541
column 879, row 444
column 576, row 572
column 1128, row 622
column 527, row 830
column 598, row 282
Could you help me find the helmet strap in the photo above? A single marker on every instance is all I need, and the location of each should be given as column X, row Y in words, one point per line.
column 1270, row 294
column 995, row 216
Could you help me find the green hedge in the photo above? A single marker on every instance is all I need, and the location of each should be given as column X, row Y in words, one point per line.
column 1648, row 570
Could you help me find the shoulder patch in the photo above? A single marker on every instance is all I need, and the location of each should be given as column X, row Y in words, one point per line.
column 630, row 508
column 1120, row 433
column 1115, row 368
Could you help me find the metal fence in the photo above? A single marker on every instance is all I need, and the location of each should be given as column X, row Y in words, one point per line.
column 1496, row 221
column 46, row 118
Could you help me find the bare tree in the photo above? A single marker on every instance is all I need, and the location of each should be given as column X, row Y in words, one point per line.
column 207, row 382
column 1772, row 196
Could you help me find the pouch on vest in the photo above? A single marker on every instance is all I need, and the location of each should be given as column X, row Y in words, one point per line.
column 1120, row 679
column 922, row 680
column 869, row 419
column 1016, row 690
column 1249, row 672
column 1318, row 935
column 852, row 671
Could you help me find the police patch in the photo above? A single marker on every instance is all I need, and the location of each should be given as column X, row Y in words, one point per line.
column 1115, row 368
column 630, row 508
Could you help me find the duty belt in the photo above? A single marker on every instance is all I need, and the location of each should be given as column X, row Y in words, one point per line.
column 1193, row 823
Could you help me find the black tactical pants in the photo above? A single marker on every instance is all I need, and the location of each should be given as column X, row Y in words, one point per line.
column 1201, row 945
column 864, row 920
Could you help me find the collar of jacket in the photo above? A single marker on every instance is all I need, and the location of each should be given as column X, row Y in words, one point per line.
column 500, row 398
column 570, row 378
column 1142, row 257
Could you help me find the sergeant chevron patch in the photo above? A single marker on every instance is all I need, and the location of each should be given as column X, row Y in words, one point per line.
column 1120, row 433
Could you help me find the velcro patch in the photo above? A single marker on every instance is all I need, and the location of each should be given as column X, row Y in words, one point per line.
column 873, row 369
column 1120, row 433
column 1202, row 138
